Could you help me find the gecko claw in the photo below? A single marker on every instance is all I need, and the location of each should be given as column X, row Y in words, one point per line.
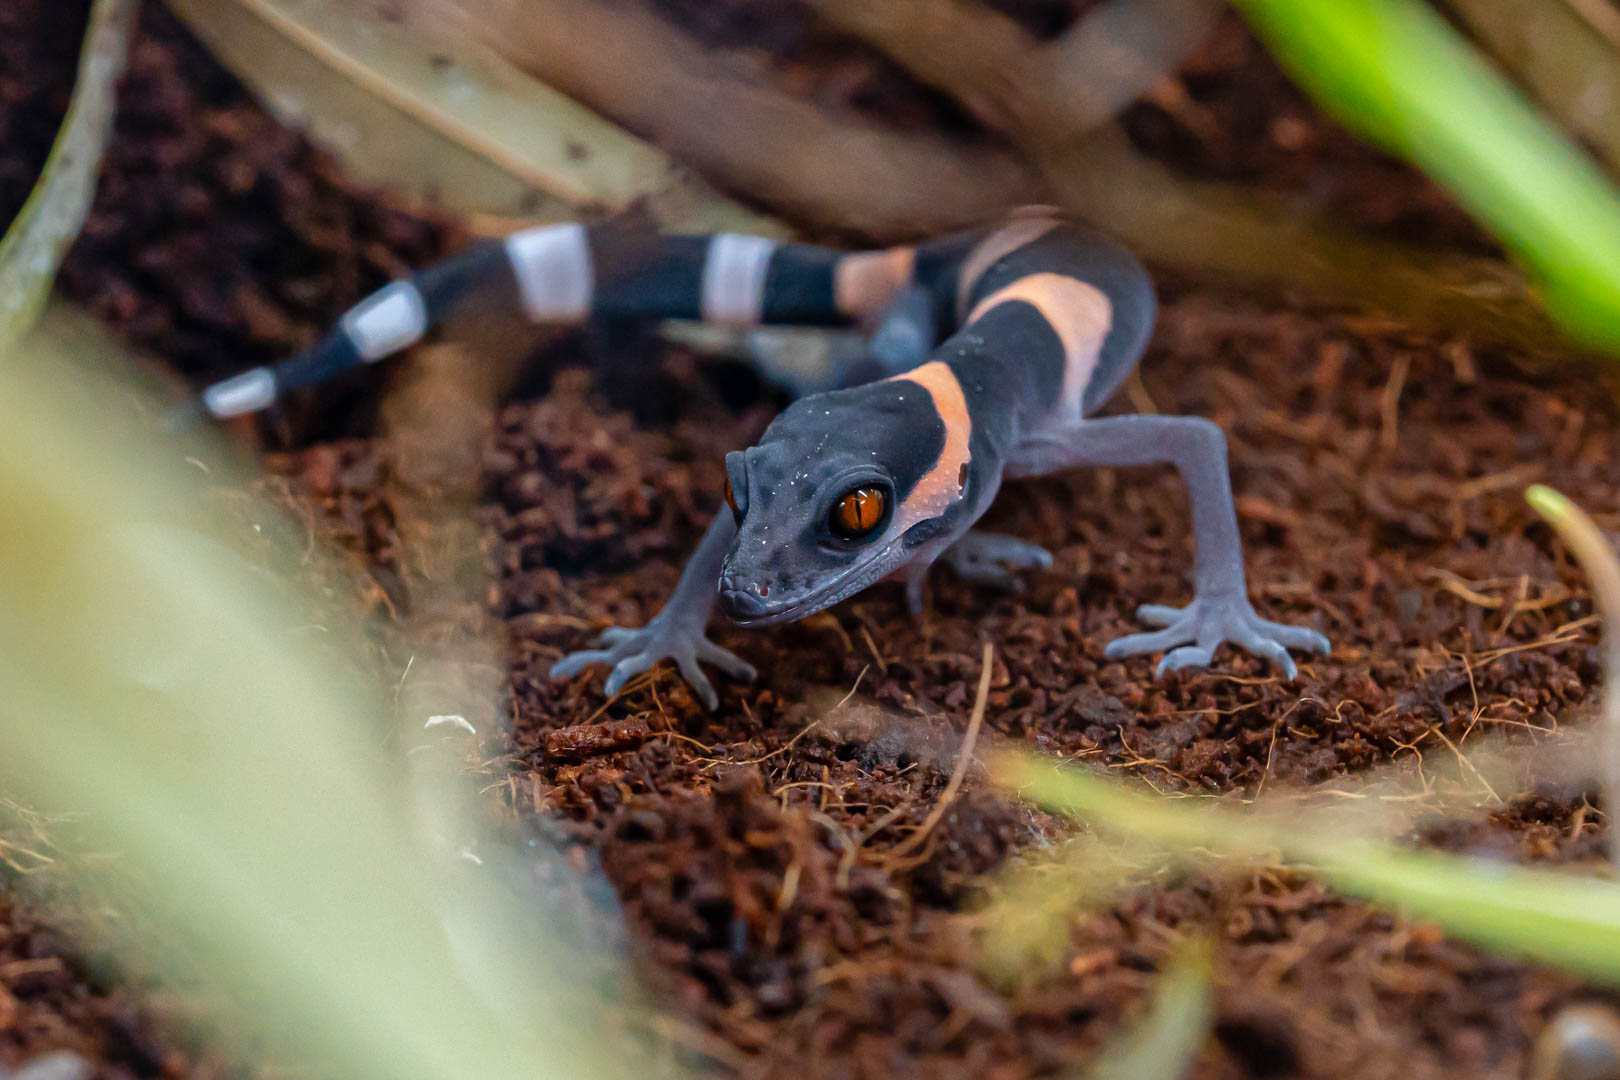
column 1193, row 633
column 632, row 651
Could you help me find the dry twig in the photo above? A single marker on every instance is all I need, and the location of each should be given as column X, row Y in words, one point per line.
column 818, row 168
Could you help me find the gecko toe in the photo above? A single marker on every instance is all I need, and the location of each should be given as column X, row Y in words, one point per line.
column 1153, row 641
column 1185, row 657
column 698, row 681
column 1159, row 614
column 1296, row 637
column 727, row 661
column 1270, row 649
column 576, row 662
column 627, row 669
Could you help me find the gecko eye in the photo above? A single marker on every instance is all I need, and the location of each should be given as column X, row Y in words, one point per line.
column 731, row 501
column 859, row 512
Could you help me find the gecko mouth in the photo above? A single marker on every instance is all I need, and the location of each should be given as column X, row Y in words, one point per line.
column 743, row 605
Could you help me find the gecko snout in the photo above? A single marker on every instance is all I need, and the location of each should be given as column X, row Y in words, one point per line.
column 742, row 599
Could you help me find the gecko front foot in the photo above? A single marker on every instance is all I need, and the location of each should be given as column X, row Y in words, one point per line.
column 1193, row 633
column 630, row 652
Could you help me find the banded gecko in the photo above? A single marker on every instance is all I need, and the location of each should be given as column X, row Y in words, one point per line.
column 991, row 352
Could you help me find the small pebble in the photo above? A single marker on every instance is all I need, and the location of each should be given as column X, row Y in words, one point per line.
column 1581, row 1043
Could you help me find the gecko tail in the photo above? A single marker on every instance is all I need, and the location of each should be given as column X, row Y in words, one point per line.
column 567, row 273
column 384, row 324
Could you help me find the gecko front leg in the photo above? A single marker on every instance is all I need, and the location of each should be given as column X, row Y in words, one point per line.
column 1220, row 611
column 675, row 633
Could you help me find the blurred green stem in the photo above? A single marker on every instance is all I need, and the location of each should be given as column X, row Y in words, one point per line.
column 1164, row 1044
column 1561, row 59
column 1597, row 557
column 1551, row 917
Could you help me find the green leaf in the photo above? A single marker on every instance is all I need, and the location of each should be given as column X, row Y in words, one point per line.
column 1394, row 70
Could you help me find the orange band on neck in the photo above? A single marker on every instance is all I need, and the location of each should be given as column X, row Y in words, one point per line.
column 941, row 485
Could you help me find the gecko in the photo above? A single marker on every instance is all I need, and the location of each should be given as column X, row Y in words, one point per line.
column 990, row 352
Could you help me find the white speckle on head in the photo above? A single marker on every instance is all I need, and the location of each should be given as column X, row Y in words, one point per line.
column 248, row 392
column 390, row 319
column 552, row 264
column 733, row 289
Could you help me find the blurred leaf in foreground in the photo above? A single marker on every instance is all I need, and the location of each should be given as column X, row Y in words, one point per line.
column 58, row 1066
column 172, row 694
column 1555, row 918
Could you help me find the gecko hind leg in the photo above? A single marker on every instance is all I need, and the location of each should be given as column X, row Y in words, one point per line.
column 984, row 557
column 991, row 557
column 908, row 332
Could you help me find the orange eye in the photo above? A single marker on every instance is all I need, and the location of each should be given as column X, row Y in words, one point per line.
column 731, row 501
column 859, row 512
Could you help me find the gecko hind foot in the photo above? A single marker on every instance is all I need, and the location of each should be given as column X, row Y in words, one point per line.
column 1193, row 633
column 630, row 652
column 991, row 557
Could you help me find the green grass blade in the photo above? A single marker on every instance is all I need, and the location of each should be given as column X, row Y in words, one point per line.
column 1394, row 70
column 1554, row 918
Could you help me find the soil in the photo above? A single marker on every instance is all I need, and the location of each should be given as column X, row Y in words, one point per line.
column 760, row 855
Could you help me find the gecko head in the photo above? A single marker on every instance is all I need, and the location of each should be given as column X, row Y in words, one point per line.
column 836, row 495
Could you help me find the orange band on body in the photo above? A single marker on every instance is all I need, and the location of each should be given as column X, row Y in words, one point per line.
column 941, row 485
column 869, row 281
column 997, row 246
column 1078, row 313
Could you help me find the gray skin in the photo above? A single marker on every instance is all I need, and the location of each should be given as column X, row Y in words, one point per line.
column 780, row 563
column 57, row 1065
